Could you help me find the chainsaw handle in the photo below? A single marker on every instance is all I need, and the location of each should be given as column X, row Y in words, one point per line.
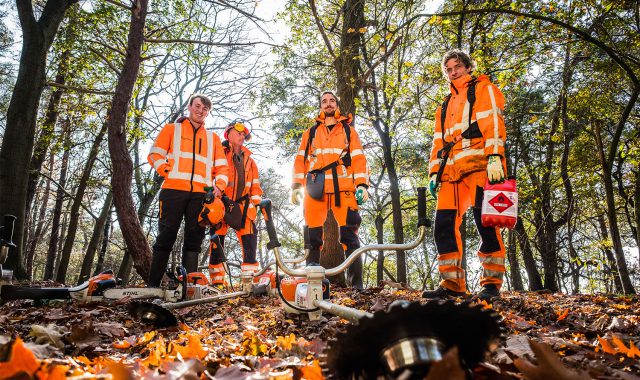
column 265, row 208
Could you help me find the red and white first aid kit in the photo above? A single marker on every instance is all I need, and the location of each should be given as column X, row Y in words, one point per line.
column 500, row 204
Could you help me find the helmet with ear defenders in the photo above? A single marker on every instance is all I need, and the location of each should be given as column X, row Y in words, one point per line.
column 212, row 213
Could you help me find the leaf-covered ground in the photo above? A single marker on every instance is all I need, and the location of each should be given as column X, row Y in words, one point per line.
column 253, row 338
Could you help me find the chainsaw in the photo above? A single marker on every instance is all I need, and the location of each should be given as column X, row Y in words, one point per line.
column 102, row 287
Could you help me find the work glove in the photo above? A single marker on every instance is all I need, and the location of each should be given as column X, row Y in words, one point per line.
column 495, row 173
column 362, row 195
column 433, row 186
column 297, row 195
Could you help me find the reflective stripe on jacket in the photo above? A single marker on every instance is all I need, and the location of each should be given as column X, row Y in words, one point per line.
column 189, row 159
column 328, row 147
column 469, row 155
column 251, row 179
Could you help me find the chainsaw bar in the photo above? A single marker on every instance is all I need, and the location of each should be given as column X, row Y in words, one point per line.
column 151, row 314
column 377, row 347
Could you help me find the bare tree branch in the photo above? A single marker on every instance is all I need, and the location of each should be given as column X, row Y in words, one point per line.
column 322, row 30
column 79, row 89
column 119, row 4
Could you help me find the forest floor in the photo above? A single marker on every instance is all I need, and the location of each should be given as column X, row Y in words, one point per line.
column 252, row 338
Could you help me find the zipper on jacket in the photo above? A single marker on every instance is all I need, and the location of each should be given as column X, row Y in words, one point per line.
column 200, row 146
column 193, row 157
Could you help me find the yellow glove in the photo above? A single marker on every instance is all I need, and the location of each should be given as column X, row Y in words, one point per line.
column 495, row 173
column 297, row 195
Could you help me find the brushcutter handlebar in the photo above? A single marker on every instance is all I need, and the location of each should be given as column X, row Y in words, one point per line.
column 265, row 208
column 423, row 223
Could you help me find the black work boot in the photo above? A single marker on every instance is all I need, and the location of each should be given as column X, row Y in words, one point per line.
column 159, row 262
column 488, row 292
column 313, row 258
column 441, row 293
column 354, row 272
column 190, row 261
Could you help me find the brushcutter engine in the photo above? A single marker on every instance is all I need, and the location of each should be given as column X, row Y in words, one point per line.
column 297, row 295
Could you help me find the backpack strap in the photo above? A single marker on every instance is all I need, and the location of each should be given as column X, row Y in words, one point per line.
column 312, row 134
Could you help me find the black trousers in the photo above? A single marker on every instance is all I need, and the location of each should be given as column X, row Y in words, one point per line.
column 176, row 205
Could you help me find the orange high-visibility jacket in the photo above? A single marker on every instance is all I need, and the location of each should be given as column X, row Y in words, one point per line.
column 189, row 160
column 251, row 180
column 469, row 155
column 328, row 147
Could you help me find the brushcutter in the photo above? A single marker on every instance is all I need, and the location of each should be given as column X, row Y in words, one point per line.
column 400, row 342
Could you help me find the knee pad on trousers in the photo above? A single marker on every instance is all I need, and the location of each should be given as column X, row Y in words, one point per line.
column 354, row 272
column 349, row 238
column 159, row 262
column 315, row 237
column 305, row 233
column 444, row 231
column 249, row 246
column 489, row 235
column 190, row 261
column 216, row 250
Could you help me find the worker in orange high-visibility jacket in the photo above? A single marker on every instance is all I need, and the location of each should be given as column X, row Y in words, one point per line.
column 334, row 151
column 189, row 158
column 244, row 190
column 474, row 137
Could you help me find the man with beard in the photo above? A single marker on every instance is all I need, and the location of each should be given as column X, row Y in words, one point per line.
column 330, row 173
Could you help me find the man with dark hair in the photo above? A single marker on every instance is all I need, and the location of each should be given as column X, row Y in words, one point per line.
column 468, row 148
column 332, row 168
column 189, row 158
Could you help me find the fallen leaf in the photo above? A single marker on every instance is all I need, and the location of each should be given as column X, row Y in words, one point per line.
column 562, row 315
column 448, row 368
column 606, row 346
column 20, row 359
column 312, row 371
column 48, row 334
column 549, row 365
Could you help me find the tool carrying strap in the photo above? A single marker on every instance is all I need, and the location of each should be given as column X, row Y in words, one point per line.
column 344, row 160
column 473, row 131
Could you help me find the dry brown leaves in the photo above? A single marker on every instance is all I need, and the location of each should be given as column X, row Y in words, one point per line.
column 252, row 338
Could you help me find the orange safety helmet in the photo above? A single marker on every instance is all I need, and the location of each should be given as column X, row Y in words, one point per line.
column 240, row 126
column 212, row 213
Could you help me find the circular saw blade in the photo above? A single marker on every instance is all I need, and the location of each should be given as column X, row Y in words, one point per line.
column 152, row 314
column 357, row 353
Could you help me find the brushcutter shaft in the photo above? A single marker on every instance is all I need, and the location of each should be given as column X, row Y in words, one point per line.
column 348, row 313
column 178, row 305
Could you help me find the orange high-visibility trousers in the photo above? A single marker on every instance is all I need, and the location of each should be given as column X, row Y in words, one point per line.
column 454, row 198
column 347, row 216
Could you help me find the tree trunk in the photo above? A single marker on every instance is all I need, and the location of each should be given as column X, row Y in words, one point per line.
column 396, row 207
column 514, row 265
column 347, row 63
column 57, row 210
column 20, row 126
column 47, row 131
column 621, row 262
column 535, row 282
column 105, row 244
column 613, row 272
column 346, row 66
column 92, row 247
column 75, row 206
column 39, row 222
column 131, row 228
column 380, row 239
